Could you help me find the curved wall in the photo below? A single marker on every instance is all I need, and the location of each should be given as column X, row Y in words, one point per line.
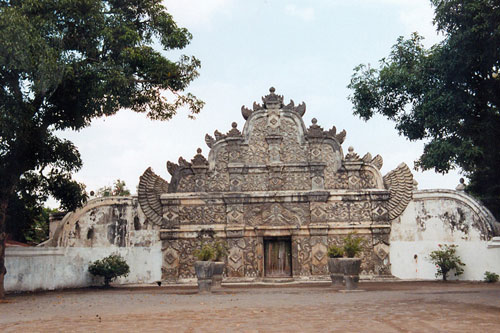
column 443, row 217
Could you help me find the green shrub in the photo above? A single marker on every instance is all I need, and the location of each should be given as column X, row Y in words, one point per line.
column 490, row 277
column 353, row 245
column 206, row 253
column 110, row 268
column 335, row 251
column 220, row 251
column 446, row 259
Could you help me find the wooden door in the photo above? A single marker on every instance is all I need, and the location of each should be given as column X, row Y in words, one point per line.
column 277, row 257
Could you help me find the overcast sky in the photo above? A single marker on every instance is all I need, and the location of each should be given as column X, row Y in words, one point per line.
column 305, row 49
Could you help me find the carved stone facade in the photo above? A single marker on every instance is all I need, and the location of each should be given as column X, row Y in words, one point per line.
column 274, row 182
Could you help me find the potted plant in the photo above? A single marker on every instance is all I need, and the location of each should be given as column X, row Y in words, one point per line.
column 352, row 247
column 204, row 267
column 220, row 253
column 335, row 254
column 345, row 269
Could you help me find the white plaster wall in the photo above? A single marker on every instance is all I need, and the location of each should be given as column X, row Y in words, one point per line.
column 436, row 217
column 477, row 256
column 49, row 268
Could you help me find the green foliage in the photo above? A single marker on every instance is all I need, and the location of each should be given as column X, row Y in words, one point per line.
column 220, row 250
column 490, row 277
column 353, row 245
column 27, row 220
column 335, row 251
column 446, row 259
column 447, row 95
column 205, row 253
column 63, row 64
column 38, row 231
column 119, row 189
column 110, row 268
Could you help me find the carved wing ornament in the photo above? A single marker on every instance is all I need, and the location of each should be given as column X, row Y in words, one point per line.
column 151, row 186
column 399, row 182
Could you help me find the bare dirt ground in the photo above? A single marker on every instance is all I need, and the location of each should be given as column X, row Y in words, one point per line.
column 381, row 307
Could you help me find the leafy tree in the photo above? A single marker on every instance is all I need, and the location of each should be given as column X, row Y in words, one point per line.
column 28, row 222
column 66, row 62
column 119, row 189
column 447, row 95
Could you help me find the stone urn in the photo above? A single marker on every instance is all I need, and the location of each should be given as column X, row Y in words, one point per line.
column 336, row 271
column 204, row 272
column 217, row 276
column 351, row 266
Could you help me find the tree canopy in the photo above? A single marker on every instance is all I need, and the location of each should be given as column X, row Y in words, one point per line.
column 66, row 62
column 447, row 95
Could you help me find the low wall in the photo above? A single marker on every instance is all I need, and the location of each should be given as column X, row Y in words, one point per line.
column 49, row 268
column 436, row 217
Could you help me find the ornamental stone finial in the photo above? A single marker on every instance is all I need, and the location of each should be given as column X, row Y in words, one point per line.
column 461, row 185
column 199, row 159
column 351, row 155
column 234, row 132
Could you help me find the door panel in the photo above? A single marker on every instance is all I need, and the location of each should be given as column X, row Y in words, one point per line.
column 277, row 257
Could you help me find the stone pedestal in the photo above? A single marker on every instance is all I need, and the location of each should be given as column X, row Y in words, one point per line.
column 352, row 267
column 204, row 273
column 336, row 271
column 217, row 276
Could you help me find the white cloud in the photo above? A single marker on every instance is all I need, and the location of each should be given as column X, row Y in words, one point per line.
column 305, row 14
column 196, row 13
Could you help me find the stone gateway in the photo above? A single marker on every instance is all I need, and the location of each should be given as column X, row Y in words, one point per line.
column 278, row 194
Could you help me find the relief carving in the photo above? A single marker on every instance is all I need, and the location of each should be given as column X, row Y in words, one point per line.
column 257, row 152
column 292, row 150
column 296, row 181
column 178, row 259
column 341, row 211
column 277, row 214
column 301, row 256
column 202, row 214
column 255, row 182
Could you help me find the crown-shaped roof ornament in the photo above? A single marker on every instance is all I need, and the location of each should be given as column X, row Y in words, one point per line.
column 272, row 101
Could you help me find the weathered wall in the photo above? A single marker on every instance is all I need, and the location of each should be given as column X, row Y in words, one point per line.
column 102, row 227
column 443, row 217
column 105, row 222
column 49, row 268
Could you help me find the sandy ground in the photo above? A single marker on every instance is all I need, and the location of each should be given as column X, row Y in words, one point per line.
column 381, row 307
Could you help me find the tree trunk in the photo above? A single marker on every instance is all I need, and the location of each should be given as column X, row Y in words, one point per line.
column 3, row 238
